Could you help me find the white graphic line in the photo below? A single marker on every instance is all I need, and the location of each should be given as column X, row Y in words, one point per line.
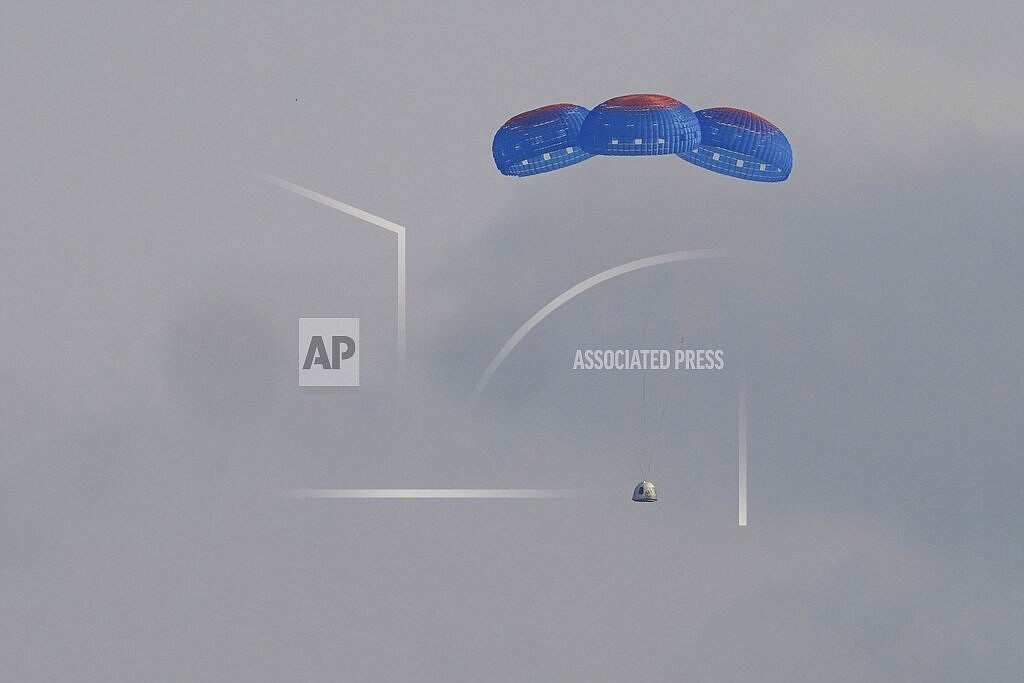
column 363, row 216
column 743, row 453
column 671, row 257
column 432, row 493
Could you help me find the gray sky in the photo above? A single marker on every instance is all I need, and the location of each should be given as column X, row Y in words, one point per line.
column 150, row 289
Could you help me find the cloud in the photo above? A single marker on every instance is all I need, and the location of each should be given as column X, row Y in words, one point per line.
column 149, row 292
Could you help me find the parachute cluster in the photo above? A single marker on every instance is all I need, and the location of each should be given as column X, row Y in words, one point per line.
column 733, row 142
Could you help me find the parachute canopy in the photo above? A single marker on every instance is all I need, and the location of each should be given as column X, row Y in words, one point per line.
column 640, row 125
column 725, row 140
column 540, row 140
column 741, row 144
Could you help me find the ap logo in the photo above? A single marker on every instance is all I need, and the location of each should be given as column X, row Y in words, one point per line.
column 328, row 352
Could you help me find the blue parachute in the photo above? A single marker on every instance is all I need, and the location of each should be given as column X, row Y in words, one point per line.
column 540, row 140
column 634, row 125
column 741, row 144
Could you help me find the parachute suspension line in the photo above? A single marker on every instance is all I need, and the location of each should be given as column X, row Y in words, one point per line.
column 643, row 422
column 604, row 319
column 643, row 392
column 604, row 304
column 682, row 313
column 661, row 418
column 643, row 400
column 645, row 449
column 639, row 462
column 657, row 433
